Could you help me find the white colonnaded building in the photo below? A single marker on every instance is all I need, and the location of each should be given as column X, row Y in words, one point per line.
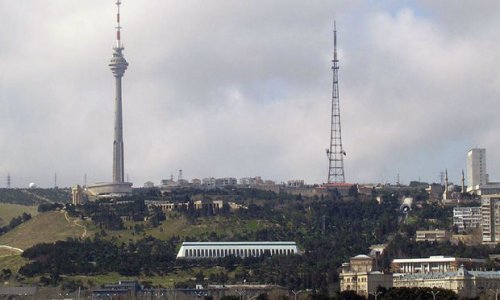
column 192, row 250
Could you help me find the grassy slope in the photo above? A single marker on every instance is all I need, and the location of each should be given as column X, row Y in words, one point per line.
column 12, row 262
column 224, row 227
column 46, row 227
column 9, row 211
column 52, row 226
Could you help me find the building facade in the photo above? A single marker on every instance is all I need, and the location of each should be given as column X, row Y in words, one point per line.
column 476, row 169
column 198, row 250
column 432, row 235
column 463, row 282
column 490, row 223
column 358, row 275
column 466, row 218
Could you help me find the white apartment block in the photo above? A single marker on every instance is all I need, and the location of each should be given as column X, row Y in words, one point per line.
column 465, row 218
column 476, row 169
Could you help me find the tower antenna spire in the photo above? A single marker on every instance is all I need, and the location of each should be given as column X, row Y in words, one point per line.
column 118, row 27
column 335, row 153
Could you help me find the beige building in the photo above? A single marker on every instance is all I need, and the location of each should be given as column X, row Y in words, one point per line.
column 464, row 283
column 436, row 235
column 359, row 276
column 76, row 195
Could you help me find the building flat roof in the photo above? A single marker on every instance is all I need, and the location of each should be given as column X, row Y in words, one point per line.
column 437, row 259
column 264, row 243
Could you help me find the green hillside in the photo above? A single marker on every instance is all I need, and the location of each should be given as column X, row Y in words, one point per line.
column 9, row 211
column 45, row 227
column 201, row 229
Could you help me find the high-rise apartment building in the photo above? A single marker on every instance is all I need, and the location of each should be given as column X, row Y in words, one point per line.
column 476, row 169
column 490, row 219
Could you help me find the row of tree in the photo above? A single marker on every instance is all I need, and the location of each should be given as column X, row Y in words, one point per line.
column 14, row 222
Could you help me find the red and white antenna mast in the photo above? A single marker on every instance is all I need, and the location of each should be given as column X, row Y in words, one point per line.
column 118, row 27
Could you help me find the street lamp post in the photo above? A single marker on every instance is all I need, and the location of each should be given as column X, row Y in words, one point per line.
column 295, row 293
column 434, row 293
column 376, row 294
column 496, row 292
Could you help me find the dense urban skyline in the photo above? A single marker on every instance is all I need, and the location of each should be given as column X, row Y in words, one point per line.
column 244, row 89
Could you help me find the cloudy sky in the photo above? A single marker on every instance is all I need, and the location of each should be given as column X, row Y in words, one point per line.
column 243, row 88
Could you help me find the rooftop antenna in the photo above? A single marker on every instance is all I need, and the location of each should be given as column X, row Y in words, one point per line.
column 55, row 180
column 85, row 179
column 335, row 153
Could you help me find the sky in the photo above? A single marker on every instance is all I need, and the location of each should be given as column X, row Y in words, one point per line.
column 243, row 88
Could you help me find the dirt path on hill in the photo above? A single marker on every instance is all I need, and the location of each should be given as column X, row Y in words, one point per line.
column 76, row 223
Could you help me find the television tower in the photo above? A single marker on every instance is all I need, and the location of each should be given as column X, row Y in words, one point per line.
column 335, row 153
column 118, row 65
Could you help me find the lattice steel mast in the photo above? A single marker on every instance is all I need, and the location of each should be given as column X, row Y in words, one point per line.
column 336, row 152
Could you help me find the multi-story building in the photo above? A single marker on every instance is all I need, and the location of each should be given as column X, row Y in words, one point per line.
column 359, row 276
column 490, row 223
column 220, row 182
column 478, row 181
column 466, row 218
column 251, row 181
column 209, row 182
column 476, row 169
column 433, row 264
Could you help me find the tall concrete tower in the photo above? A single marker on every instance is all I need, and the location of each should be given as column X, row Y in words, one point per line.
column 335, row 153
column 118, row 65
